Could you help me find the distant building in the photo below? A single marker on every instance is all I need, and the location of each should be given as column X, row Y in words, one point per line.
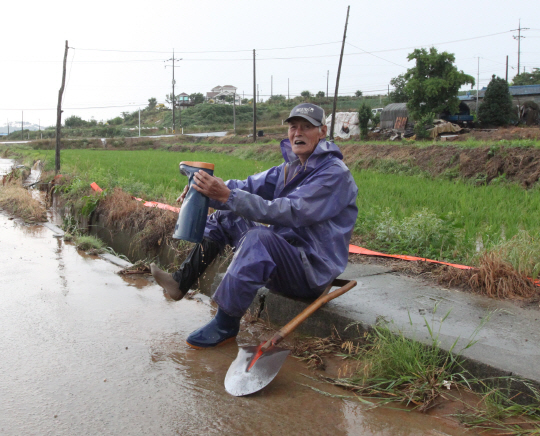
column 183, row 101
column 219, row 93
column 520, row 94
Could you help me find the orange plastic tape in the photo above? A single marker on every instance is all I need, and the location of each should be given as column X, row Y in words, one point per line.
column 158, row 205
column 360, row 250
column 95, row 187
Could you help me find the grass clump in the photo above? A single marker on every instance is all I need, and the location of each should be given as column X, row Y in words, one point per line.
column 506, row 270
column 399, row 369
column 90, row 243
column 18, row 201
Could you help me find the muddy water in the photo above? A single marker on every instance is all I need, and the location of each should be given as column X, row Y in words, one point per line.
column 87, row 352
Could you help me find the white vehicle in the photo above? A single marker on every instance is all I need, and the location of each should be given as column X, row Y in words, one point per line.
column 377, row 110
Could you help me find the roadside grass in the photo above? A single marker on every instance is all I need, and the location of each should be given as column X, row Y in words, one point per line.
column 392, row 367
column 90, row 243
column 18, row 201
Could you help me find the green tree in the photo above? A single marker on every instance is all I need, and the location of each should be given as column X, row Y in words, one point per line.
column 433, row 83
column 196, row 98
column 276, row 99
column 151, row 103
column 398, row 95
column 320, row 94
column 497, row 107
column 74, row 121
column 169, row 100
column 527, row 78
column 364, row 115
column 358, row 94
column 306, row 94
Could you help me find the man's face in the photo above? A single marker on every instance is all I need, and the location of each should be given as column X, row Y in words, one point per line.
column 304, row 137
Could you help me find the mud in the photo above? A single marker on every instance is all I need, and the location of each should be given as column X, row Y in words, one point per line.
column 86, row 351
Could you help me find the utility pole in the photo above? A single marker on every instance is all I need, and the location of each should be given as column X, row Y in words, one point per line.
column 337, row 78
column 234, row 112
column 477, row 83
column 506, row 68
column 139, row 122
column 519, row 29
column 59, row 115
column 327, row 77
column 173, row 59
column 22, row 124
column 254, row 102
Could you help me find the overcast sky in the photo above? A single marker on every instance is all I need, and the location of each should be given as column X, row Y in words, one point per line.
column 118, row 49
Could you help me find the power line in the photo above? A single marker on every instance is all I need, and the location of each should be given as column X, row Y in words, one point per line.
column 207, row 51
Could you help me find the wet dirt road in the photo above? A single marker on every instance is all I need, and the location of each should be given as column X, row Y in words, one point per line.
column 87, row 352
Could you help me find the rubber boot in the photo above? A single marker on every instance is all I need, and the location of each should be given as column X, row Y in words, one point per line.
column 222, row 328
column 193, row 267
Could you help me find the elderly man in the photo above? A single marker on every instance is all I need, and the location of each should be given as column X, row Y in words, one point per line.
column 308, row 206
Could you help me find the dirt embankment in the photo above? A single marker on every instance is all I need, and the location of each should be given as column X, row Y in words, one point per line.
column 520, row 165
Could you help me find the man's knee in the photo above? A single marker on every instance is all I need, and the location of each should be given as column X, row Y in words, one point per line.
column 259, row 235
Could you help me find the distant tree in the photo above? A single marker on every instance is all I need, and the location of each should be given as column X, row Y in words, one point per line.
column 433, row 83
column 151, row 103
column 358, row 94
column 74, row 121
column 115, row 121
column 320, row 94
column 364, row 115
column 497, row 107
column 398, row 95
column 527, row 78
column 125, row 115
column 169, row 100
column 306, row 94
column 276, row 99
column 196, row 98
column 246, row 101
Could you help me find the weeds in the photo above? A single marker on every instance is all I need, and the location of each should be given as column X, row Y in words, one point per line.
column 18, row 201
column 90, row 243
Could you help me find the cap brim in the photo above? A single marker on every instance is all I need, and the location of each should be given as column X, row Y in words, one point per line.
column 305, row 117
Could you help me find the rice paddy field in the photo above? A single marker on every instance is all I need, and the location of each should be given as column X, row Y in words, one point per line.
column 419, row 215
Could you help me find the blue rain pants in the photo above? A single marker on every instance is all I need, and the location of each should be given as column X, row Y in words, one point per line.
column 261, row 258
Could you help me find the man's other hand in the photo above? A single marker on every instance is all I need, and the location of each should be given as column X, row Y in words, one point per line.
column 183, row 194
column 212, row 187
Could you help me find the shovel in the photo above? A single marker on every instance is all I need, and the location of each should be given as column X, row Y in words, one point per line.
column 255, row 367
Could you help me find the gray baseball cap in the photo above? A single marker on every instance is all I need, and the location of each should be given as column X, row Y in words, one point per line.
column 311, row 112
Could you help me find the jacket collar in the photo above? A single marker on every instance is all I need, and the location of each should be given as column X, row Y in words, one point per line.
column 322, row 149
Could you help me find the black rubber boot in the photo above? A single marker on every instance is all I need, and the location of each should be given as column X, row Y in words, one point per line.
column 201, row 256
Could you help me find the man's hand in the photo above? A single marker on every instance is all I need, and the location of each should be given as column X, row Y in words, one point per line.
column 212, row 187
column 183, row 195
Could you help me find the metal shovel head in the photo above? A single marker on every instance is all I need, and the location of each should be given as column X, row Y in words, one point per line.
column 239, row 381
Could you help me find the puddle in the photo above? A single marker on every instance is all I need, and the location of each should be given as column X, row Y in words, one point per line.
column 86, row 351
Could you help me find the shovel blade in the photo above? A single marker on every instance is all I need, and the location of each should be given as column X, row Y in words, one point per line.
column 239, row 381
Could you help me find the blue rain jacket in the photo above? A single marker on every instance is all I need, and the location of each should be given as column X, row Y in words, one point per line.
column 312, row 206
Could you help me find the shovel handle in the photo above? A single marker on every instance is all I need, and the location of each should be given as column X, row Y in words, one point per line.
column 308, row 311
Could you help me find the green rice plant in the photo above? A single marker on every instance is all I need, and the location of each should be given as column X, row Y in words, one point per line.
column 423, row 233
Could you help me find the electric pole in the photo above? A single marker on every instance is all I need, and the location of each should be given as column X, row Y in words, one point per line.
column 506, row 68
column 22, row 124
column 173, row 59
column 59, row 115
column 327, row 76
column 477, row 83
column 519, row 29
column 254, row 101
column 337, row 79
